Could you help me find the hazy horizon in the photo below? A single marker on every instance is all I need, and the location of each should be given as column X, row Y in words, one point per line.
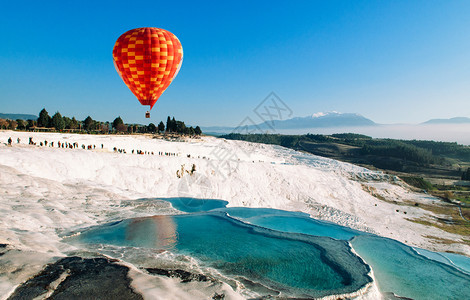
column 458, row 133
column 236, row 124
column 454, row 133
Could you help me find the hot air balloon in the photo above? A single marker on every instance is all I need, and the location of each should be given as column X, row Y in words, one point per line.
column 147, row 59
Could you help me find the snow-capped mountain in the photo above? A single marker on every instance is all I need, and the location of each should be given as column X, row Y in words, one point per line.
column 316, row 120
column 321, row 119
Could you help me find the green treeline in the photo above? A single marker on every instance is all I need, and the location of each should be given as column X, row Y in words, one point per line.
column 293, row 141
column 289, row 141
column 443, row 148
column 419, row 152
column 400, row 149
column 88, row 125
column 175, row 126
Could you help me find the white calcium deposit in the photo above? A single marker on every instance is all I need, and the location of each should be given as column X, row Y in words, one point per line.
column 46, row 192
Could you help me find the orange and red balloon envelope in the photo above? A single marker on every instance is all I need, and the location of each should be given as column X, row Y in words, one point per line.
column 147, row 59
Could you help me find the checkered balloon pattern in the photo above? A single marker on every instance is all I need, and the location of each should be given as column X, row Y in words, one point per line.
column 147, row 59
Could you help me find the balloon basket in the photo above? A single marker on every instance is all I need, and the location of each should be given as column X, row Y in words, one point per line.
column 147, row 115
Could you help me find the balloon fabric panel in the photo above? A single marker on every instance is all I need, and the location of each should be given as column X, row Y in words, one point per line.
column 147, row 60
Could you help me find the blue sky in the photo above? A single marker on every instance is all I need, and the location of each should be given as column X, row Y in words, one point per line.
column 391, row 61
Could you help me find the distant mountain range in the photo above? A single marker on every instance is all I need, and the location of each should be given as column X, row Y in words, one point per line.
column 318, row 120
column 329, row 119
column 18, row 116
column 457, row 120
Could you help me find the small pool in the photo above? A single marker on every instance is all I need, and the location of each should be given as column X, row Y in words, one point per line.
column 293, row 264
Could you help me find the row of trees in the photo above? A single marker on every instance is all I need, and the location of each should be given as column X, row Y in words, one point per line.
column 295, row 141
column 18, row 124
column 11, row 124
column 398, row 149
column 59, row 122
column 172, row 126
column 119, row 125
column 56, row 121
